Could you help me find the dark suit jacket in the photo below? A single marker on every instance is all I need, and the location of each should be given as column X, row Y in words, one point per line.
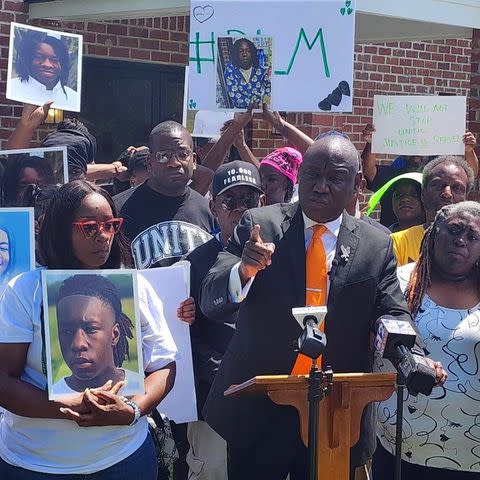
column 361, row 290
column 209, row 338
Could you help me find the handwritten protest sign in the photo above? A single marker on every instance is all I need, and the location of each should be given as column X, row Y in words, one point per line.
column 302, row 54
column 419, row 125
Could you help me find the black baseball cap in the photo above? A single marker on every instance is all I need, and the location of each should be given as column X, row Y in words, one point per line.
column 234, row 174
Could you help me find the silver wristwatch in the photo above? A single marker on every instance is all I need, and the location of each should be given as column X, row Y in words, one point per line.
column 136, row 410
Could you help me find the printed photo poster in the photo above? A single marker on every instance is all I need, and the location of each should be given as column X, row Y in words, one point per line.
column 45, row 65
column 244, row 72
column 92, row 331
column 17, row 243
column 172, row 285
column 419, row 124
column 311, row 54
column 23, row 173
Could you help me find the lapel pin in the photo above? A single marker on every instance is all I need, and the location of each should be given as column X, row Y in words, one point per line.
column 345, row 255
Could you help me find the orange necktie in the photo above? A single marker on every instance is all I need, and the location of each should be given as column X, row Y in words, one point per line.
column 316, row 282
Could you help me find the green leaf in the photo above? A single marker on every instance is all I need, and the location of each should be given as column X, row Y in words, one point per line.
column 342, row 10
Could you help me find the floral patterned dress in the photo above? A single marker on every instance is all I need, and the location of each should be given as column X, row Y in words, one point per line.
column 242, row 93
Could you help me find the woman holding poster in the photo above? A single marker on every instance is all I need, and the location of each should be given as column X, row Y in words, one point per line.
column 81, row 231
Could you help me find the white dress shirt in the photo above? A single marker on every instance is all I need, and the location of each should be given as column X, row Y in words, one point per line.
column 34, row 92
column 329, row 239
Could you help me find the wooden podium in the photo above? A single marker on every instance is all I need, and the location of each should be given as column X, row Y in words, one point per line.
column 340, row 412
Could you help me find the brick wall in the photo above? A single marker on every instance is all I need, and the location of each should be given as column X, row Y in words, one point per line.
column 441, row 66
column 474, row 110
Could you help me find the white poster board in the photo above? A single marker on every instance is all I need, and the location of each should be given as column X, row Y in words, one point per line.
column 419, row 125
column 172, row 285
column 45, row 65
column 313, row 44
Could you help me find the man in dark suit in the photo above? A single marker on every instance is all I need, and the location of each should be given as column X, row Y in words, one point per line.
column 264, row 267
column 236, row 187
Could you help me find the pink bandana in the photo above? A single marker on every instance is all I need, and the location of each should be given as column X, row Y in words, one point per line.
column 286, row 160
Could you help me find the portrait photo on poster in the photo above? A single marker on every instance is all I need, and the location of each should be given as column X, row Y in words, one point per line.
column 45, row 65
column 17, row 243
column 243, row 72
column 27, row 172
column 92, row 331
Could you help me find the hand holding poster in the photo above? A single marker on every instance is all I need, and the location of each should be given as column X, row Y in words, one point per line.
column 92, row 331
column 298, row 54
column 419, row 125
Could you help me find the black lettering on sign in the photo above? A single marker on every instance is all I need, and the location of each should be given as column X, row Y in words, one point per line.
column 161, row 243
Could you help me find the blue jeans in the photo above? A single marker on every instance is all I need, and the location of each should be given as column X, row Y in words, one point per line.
column 140, row 465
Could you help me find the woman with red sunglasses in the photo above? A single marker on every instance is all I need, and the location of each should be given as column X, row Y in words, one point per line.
column 81, row 230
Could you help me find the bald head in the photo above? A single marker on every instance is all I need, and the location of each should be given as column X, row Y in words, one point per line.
column 336, row 149
column 328, row 178
column 170, row 128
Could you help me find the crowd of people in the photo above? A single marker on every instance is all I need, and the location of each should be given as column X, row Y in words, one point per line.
column 262, row 236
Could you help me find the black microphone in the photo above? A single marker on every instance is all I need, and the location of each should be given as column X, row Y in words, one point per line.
column 312, row 342
column 393, row 341
column 333, row 269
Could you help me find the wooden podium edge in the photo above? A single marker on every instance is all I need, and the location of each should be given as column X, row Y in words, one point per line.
column 264, row 383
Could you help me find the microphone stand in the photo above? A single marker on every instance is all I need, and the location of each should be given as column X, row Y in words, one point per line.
column 398, row 427
column 316, row 393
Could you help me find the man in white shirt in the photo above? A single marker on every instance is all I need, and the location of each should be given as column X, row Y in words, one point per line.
column 43, row 68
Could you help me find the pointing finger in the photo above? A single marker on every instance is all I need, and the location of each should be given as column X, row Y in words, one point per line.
column 255, row 234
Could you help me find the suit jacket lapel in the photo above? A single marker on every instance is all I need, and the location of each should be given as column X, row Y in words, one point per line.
column 294, row 249
column 349, row 241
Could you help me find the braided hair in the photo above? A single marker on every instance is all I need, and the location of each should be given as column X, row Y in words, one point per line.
column 420, row 278
column 235, row 52
column 97, row 286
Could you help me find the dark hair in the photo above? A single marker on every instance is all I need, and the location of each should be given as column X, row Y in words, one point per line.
column 420, row 278
column 235, row 52
column 72, row 123
column 97, row 286
column 165, row 128
column 11, row 176
column 448, row 160
column 289, row 190
column 39, row 198
column 55, row 238
column 406, row 181
column 27, row 49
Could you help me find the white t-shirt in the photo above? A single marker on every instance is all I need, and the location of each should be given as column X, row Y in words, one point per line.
column 132, row 379
column 61, row 446
column 34, row 92
column 441, row 430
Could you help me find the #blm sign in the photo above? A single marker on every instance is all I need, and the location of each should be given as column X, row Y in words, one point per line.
column 419, row 125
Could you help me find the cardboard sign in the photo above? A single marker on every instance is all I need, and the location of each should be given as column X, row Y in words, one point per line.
column 419, row 125
column 301, row 59
column 172, row 286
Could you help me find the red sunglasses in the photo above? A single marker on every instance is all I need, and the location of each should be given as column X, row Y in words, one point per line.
column 91, row 228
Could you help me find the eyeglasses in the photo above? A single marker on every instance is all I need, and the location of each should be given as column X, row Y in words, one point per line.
column 247, row 201
column 166, row 155
column 91, row 228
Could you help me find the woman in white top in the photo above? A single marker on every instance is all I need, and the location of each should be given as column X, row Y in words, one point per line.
column 441, row 433
column 39, row 437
